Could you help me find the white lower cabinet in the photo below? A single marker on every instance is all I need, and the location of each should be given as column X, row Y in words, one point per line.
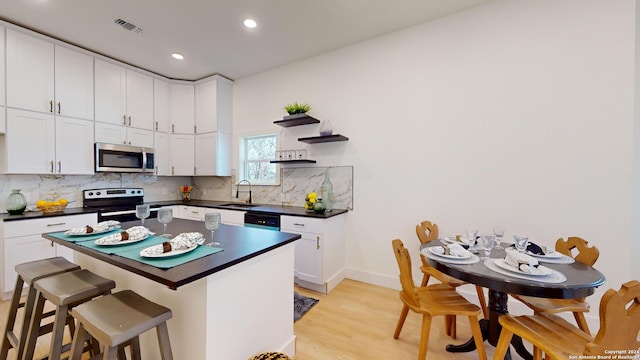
column 228, row 217
column 189, row 212
column 22, row 241
column 320, row 253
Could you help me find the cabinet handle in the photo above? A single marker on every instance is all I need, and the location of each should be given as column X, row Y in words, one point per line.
column 173, row 128
column 129, row 142
column 194, row 212
column 156, row 170
column 298, row 224
column 52, row 244
column 124, row 119
column 50, row 106
column 59, row 107
column 51, row 163
column 60, row 166
column 57, row 224
column 125, row 142
column 318, row 242
column 194, row 170
column 156, row 126
column 195, row 129
column 129, row 120
column 172, row 170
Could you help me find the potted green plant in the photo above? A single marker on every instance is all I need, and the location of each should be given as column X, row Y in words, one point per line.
column 296, row 110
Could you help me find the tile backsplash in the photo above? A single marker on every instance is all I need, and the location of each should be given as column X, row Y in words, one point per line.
column 295, row 183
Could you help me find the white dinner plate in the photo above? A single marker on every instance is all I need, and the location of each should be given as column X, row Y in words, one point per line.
column 98, row 242
column 151, row 252
column 95, row 232
column 553, row 255
column 539, row 271
column 434, row 250
column 452, row 240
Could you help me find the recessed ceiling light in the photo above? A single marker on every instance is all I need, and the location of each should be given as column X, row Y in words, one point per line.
column 177, row 56
column 250, row 23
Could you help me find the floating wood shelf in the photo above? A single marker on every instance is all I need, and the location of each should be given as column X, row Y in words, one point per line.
column 296, row 120
column 322, row 139
column 293, row 161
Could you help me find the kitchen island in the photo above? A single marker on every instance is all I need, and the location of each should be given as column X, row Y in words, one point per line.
column 228, row 305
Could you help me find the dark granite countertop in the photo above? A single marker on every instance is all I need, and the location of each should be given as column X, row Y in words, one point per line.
column 239, row 243
column 258, row 208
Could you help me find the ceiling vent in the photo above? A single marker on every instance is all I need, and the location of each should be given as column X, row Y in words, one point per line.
column 127, row 25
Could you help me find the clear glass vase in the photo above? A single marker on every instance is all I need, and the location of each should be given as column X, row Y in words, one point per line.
column 327, row 191
column 325, row 128
column 16, row 202
column 319, row 207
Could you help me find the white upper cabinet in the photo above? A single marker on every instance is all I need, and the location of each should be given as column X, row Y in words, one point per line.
column 40, row 143
column 161, row 105
column 212, row 154
column 213, row 105
column 139, row 100
column 2, row 62
column 118, row 134
column 123, row 97
column 30, row 72
column 73, row 84
column 111, row 92
column 162, row 155
column 182, row 108
column 182, row 161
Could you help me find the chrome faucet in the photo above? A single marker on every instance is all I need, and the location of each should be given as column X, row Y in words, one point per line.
column 238, row 189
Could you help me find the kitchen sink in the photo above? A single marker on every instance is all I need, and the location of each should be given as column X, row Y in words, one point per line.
column 239, row 205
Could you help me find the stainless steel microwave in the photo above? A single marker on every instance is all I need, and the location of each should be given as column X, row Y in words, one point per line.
column 123, row 158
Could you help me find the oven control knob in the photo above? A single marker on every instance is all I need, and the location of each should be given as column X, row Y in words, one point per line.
column 139, row 192
column 98, row 193
column 91, row 193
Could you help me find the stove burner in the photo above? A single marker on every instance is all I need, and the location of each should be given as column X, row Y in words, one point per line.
column 115, row 203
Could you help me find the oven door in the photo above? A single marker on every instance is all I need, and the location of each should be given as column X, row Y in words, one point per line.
column 123, row 158
column 124, row 215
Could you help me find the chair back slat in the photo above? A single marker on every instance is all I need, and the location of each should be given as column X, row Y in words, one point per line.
column 585, row 254
column 619, row 320
column 427, row 231
column 406, row 277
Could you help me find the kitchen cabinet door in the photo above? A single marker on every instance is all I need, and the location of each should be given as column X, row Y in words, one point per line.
column 3, row 120
column 161, row 155
column 182, row 108
column 213, row 105
column 139, row 100
column 161, row 105
column 213, row 154
column 110, row 133
column 73, row 84
column 74, row 146
column 228, row 217
column 140, row 137
column 308, row 258
column 30, row 142
column 23, row 249
column 2, row 66
column 110, row 93
column 30, row 72
column 182, row 161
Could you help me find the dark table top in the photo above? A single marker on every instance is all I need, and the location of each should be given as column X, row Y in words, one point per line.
column 239, row 244
column 581, row 279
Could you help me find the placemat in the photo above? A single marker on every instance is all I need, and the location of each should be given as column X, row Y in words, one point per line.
column 169, row 262
column 83, row 238
column 116, row 249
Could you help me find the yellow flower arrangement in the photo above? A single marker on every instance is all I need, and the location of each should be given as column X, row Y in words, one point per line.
column 311, row 199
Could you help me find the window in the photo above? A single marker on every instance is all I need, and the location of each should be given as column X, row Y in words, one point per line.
column 255, row 154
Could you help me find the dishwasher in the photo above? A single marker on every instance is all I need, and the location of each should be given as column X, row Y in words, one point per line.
column 262, row 221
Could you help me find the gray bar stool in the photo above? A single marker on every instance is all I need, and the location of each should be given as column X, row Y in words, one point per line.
column 65, row 291
column 28, row 273
column 118, row 319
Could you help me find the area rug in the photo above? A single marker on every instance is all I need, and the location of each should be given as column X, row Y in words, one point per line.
column 301, row 304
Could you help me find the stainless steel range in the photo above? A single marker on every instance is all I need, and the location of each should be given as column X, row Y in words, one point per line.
column 115, row 203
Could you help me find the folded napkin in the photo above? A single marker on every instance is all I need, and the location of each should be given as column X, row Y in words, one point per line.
column 99, row 228
column 539, row 250
column 452, row 249
column 131, row 234
column 520, row 261
column 183, row 241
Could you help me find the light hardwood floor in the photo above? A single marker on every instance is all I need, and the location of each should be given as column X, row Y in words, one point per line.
column 354, row 322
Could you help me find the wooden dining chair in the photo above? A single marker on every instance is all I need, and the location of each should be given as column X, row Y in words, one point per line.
column 430, row 301
column 427, row 232
column 559, row 339
column 584, row 254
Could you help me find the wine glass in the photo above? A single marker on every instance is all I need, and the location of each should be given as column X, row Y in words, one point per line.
column 165, row 215
column 471, row 236
column 521, row 242
column 212, row 222
column 488, row 241
column 498, row 231
column 142, row 212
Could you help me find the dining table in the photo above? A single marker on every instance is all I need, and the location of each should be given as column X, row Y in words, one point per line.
column 565, row 279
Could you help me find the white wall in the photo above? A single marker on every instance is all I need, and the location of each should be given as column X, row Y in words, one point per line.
column 518, row 113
